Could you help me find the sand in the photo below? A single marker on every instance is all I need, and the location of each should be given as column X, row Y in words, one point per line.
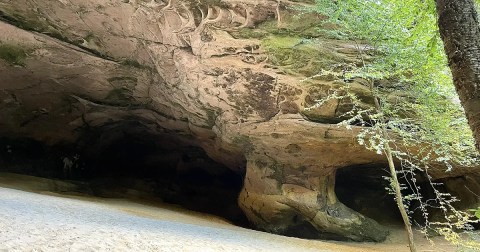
column 46, row 221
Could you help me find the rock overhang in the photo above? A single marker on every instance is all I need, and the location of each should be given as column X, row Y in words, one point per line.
column 200, row 73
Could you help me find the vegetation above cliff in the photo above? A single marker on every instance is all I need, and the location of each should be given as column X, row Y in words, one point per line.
column 403, row 37
column 397, row 46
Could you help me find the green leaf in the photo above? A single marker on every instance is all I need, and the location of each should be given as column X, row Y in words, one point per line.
column 409, row 54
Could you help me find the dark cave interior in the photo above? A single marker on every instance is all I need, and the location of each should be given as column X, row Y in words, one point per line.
column 363, row 189
column 127, row 160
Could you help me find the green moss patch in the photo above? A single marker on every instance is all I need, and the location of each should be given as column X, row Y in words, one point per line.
column 13, row 54
column 38, row 24
column 245, row 143
column 22, row 22
column 296, row 44
column 294, row 24
column 300, row 56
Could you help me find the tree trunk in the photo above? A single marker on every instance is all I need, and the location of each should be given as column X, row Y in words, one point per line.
column 460, row 32
column 398, row 194
column 393, row 174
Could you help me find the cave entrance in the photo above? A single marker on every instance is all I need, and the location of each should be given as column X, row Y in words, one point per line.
column 362, row 188
column 130, row 160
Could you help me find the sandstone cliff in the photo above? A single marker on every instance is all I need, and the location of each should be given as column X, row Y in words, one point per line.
column 228, row 77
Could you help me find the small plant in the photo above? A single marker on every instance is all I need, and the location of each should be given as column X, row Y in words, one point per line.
column 476, row 212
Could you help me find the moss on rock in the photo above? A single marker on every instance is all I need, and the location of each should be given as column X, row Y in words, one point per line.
column 13, row 54
column 244, row 142
column 300, row 56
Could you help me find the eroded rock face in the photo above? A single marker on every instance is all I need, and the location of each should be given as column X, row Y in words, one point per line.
column 209, row 73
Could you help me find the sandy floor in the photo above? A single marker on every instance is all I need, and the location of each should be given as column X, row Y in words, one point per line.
column 48, row 222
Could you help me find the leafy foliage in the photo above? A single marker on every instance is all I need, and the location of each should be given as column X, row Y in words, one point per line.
column 401, row 50
column 476, row 212
column 408, row 53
